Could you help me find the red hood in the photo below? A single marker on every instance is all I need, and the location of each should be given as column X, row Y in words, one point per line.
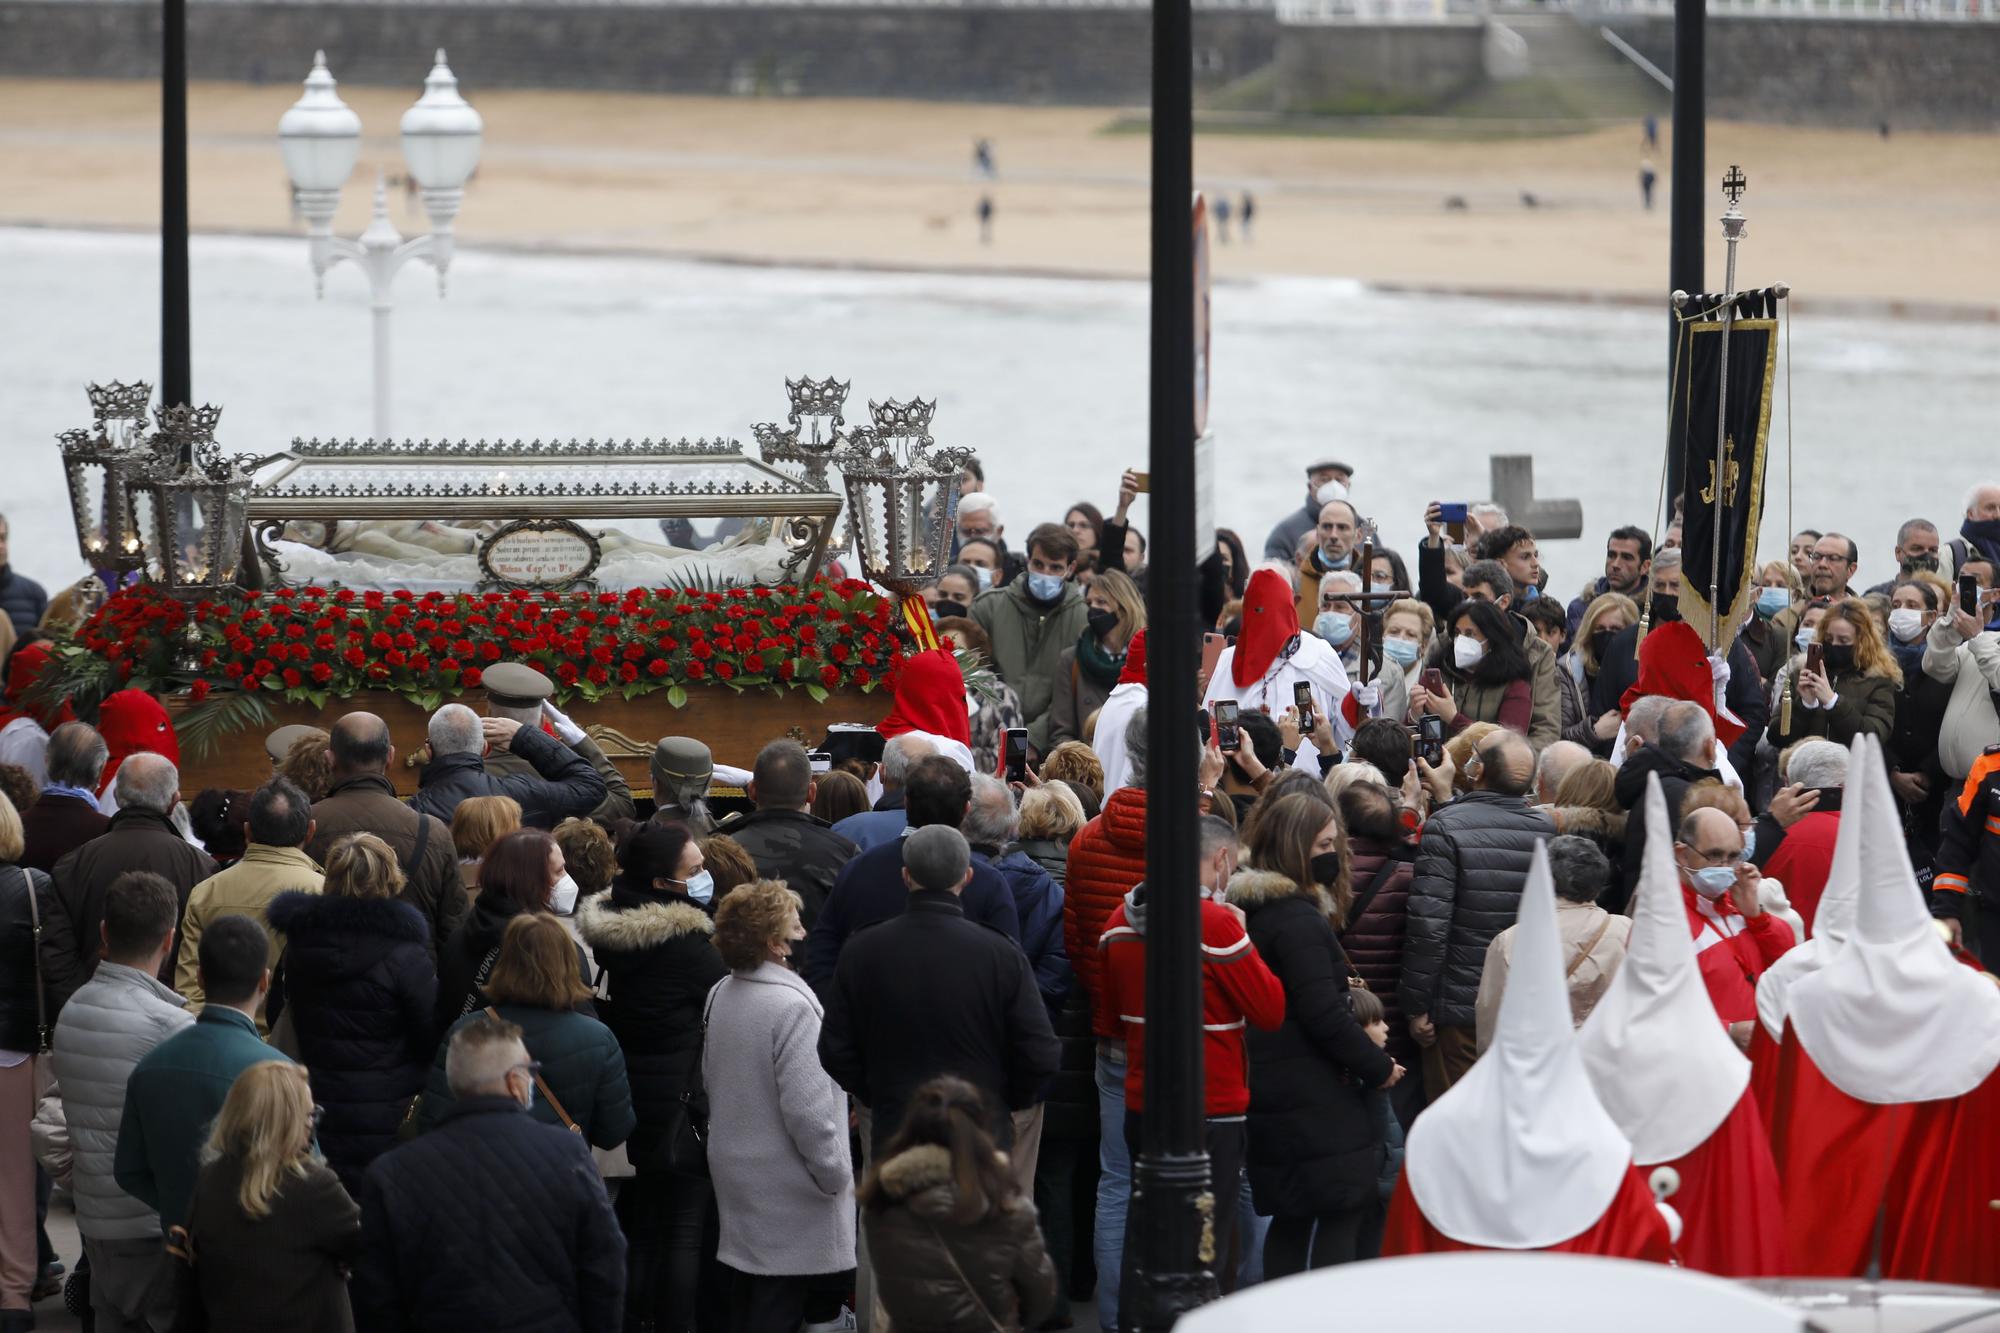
column 1270, row 621
column 26, row 665
column 930, row 696
column 1124, row 819
column 133, row 721
column 1135, row 661
column 1674, row 662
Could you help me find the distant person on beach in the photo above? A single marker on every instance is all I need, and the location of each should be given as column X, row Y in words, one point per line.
column 1249, row 212
column 986, row 219
column 1652, row 133
column 1647, row 178
column 1222, row 218
column 982, row 157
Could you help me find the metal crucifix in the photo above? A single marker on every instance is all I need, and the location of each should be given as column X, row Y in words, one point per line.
column 1367, row 600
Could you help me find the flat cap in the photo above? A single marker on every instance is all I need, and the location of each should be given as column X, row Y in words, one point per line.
column 516, row 685
column 1328, row 462
column 682, row 758
column 280, row 742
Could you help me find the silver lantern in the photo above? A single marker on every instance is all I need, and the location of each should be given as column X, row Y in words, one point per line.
column 100, row 466
column 819, row 401
column 902, row 495
column 191, row 506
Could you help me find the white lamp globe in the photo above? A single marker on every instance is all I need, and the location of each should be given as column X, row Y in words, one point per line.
column 319, row 134
column 441, row 133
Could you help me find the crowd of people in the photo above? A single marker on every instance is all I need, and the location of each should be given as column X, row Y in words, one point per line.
column 520, row 1053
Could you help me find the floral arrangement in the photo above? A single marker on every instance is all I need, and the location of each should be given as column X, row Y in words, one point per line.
column 312, row 644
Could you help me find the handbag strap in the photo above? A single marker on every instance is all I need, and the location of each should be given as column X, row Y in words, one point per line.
column 1375, row 883
column 479, row 979
column 541, row 1084
column 422, row 845
column 970, row 1290
column 43, row 1044
column 1589, row 948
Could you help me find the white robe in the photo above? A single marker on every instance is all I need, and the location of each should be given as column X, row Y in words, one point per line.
column 1315, row 662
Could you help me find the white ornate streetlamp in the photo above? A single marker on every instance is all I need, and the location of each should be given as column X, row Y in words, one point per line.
column 321, row 136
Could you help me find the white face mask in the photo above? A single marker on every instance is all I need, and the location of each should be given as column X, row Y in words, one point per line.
column 984, row 575
column 1467, row 652
column 562, row 898
column 1906, row 623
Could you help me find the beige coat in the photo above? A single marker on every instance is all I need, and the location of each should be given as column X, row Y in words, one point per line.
column 244, row 889
column 1581, row 924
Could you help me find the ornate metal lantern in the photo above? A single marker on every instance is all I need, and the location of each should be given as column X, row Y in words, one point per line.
column 820, row 400
column 101, row 467
column 902, row 495
column 191, row 506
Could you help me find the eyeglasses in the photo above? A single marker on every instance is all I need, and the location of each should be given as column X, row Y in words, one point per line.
column 1735, row 858
column 533, row 1067
column 1829, row 557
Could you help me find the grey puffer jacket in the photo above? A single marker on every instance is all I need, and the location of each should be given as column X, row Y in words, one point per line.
column 1471, row 867
column 936, row 1275
column 115, row 1018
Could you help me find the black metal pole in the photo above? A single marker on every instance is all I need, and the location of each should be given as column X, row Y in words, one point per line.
column 1171, row 1195
column 176, row 375
column 1686, row 195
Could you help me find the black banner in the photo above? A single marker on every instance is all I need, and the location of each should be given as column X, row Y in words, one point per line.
column 1730, row 497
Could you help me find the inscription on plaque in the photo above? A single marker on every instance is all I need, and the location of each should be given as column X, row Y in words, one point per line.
column 539, row 553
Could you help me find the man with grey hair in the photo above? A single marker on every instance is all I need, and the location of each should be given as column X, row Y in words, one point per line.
column 141, row 836
column 274, row 861
column 886, row 822
column 989, row 826
column 1554, row 764
column 1593, row 939
column 1683, row 753
column 563, row 784
column 1800, row 855
column 500, row 1183
column 66, row 815
column 1735, row 939
column 519, row 693
column 929, row 993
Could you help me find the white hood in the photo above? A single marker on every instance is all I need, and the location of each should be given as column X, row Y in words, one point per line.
column 1834, row 921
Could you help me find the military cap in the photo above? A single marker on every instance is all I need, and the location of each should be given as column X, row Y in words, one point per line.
column 280, row 742
column 516, row 685
column 681, row 759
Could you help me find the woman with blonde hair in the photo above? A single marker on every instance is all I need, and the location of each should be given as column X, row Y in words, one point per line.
column 1855, row 688
column 784, row 1181
column 1408, row 627
column 1075, row 762
column 478, row 823
column 1586, row 804
column 1050, row 817
column 536, row 986
column 1086, row 672
column 1342, row 776
column 360, row 986
column 1315, row 1146
column 1774, row 616
column 1603, row 620
column 270, row 1227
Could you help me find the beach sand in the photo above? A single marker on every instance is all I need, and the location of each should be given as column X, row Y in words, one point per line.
column 1847, row 218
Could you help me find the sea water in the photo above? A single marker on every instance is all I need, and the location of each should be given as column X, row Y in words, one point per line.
column 1045, row 378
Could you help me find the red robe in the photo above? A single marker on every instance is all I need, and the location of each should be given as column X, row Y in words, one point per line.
column 1764, row 1074
column 1732, row 1222
column 1930, row 1170
column 1631, row 1228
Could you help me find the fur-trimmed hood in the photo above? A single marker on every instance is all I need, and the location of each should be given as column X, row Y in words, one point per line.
column 914, row 1170
column 299, row 913
column 632, row 929
column 1587, row 821
column 1252, row 889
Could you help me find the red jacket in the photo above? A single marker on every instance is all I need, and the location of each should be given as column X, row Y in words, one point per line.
column 1731, row 964
column 1106, row 858
column 1803, row 859
column 1236, row 988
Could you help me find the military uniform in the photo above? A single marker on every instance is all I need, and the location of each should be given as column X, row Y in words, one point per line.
column 516, row 685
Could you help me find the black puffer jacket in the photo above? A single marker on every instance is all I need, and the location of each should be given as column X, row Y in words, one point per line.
column 464, row 956
column 801, row 849
column 1374, row 943
column 1471, row 867
column 658, row 954
column 937, row 1275
column 1072, row 1107
column 360, row 988
column 563, row 783
column 1314, row 1146
column 1675, row 778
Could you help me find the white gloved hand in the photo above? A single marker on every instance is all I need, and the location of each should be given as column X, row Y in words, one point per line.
column 1718, row 669
column 568, row 732
column 1368, row 696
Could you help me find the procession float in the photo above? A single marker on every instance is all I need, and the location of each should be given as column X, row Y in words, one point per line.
column 665, row 587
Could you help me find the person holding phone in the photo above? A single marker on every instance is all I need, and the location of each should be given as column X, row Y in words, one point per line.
column 1486, row 673
column 1272, row 656
column 1088, row 671
column 1849, row 686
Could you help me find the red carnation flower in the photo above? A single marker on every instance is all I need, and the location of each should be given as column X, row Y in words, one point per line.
column 724, row 671
column 628, row 672
column 829, row 676
column 198, row 691
column 292, row 678
column 656, row 668
column 695, row 671
column 597, row 674
column 470, row 677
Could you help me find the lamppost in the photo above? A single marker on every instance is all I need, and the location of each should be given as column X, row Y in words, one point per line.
column 321, row 136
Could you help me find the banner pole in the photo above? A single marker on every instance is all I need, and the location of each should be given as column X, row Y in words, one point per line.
column 1733, row 186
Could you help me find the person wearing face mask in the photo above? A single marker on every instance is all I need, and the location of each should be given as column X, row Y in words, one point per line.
column 1855, row 688
column 1283, row 542
column 1031, row 621
column 359, row 988
column 500, row 1184
column 1315, row 1148
column 952, row 594
column 1488, row 675
column 1336, row 548
column 1088, row 672
column 1916, row 553
column 988, row 562
column 1735, row 939
column 1607, row 615
column 783, row 1176
column 1407, row 627
column 1772, row 610
column 536, row 986
column 654, row 939
column 1387, row 693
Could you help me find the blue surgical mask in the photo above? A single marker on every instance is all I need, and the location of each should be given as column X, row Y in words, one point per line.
column 1400, row 651
column 1713, row 881
column 1335, row 562
column 1770, row 601
column 701, row 888
column 1531, row 594
column 1336, row 627
column 1044, row 587
column 984, row 575
column 1806, row 638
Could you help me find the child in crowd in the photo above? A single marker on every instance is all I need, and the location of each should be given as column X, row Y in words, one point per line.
column 1375, row 1022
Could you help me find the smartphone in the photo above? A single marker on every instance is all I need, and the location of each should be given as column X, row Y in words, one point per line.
column 1453, row 518
column 1430, row 739
column 1204, row 728
column 1212, row 645
column 1968, row 595
column 1014, row 754
column 1302, row 699
column 1228, row 736
column 1143, row 482
column 1813, row 658
column 1433, row 679
column 822, row 760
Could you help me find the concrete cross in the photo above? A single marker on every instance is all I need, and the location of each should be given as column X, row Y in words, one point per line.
column 1514, row 491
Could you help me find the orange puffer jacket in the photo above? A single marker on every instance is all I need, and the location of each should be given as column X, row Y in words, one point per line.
column 1107, row 857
